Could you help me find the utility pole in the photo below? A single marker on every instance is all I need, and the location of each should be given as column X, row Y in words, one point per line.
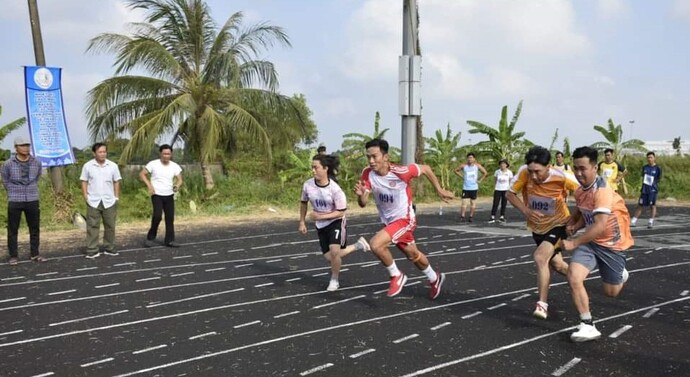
column 55, row 171
column 409, row 82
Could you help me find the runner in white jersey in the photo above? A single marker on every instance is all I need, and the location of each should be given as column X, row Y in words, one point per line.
column 390, row 186
column 329, row 204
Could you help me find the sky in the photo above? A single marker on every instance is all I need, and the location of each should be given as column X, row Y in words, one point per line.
column 573, row 63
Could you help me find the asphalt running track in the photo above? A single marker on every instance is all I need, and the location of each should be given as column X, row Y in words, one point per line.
column 250, row 301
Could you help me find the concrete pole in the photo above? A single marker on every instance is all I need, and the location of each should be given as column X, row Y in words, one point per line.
column 410, row 60
column 55, row 171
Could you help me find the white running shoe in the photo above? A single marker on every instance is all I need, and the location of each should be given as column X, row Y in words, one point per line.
column 363, row 244
column 626, row 275
column 540, row 310
column 585, row 333
column 333, row 286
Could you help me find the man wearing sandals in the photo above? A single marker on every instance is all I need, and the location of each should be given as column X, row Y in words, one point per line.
column 20, row 175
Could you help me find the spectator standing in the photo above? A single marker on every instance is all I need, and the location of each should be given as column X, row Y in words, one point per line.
column 20, row 175
column 166, row 179
column 100, row 186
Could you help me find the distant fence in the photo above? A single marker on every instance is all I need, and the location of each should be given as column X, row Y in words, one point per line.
column 186, row 168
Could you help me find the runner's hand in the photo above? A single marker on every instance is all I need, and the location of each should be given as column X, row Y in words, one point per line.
column 568, row 245
column 360, row 188
column 302, row 227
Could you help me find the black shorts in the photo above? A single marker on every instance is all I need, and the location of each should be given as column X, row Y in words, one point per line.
column 469, row 194
column 648, row 199
column 332, row 234
column 554, row 236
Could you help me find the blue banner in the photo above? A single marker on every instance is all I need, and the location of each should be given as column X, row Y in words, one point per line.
column 47, row 125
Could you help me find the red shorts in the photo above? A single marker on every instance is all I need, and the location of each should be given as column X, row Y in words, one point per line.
column 401, row 232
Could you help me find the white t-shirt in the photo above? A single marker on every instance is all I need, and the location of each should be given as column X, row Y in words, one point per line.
column 162, row 176
column 324, row 199
column 503, row 179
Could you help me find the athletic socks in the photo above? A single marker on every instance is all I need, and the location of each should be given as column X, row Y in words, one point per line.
column 651, row 221
column 633, row 221
column 430, row 274
column 393, row 270
column 586, row 318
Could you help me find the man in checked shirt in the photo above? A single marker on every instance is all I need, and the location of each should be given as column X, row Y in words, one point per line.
column 20, row 175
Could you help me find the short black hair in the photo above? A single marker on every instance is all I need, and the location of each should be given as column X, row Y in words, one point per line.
column 471, row 154
column 559, row 153
column 588, row 152
column 608, row 150
column 95, row 147
column 651, row 153
column 505, row 162
column 380, row 143
column 164, row 147
column 320, row 149
column 538, row 154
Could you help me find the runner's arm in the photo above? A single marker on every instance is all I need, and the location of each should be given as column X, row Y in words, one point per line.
column 591, row 233
column 444, row 194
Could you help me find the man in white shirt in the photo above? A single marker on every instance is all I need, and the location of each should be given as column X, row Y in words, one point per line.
column 162, row 189
column 100, row 185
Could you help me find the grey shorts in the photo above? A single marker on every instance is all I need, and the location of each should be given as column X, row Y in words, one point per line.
column 611, row 264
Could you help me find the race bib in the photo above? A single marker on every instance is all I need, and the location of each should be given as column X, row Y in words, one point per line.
column 472, row 176
column 544, row 205
column 502, row 179
column 608, row 173
column 648, row 180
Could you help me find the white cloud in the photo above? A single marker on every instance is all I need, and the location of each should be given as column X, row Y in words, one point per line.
column 612, row 8
column 339, row 106
column 681, row 9
column 604, row 81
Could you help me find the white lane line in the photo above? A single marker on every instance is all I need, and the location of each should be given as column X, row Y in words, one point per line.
column 13, row 278
column 480, row 267
column 451, row 249
column 436, row 252
column 293, row 279
column 510, row 259
column 266, row 246
column 629, row 258
column 263, row 285
column 480, row 244
column 405, row 338
column 684, row 293
column 86, row 268
column 437, row 236
column 124, row 264
column 234, row 250
column 203, row 335
column 520, row 297
column 182, row 256
column 650, row 313
column 649, row 251
column 451, row 234
column 148, row 279
column 525, row 256
column 152, row 260
column 489, row 243
column 495, row 263
column 338, row 302
column 299, row 256
column 61, row 292
column 286, row 314
column 422, row 238
column 274, row 260
column 358, row 354
column 444, row 324
column 471, row 315
column 107, row 285
column 97, row 362
column 344, row 269
column 370, row 264
column 214, row 269
column 330, row 329
column 46, row 274
column 464, row 247
column 413, row 283
column 560, row 371
column 620, row 331
column 11, row 332
column 247, row 324
column 87, row 318
column 207, row 254
column 243, row 265
column 44, row 374
column 153, row 305
column 321, row 274
column 497, row 306
column 149, row 349
column 316, row 369
column 182, row 274
column 24, row 298
column 381, row 291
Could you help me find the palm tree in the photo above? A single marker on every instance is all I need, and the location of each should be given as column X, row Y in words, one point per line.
column 504, row 142
column 442, row 152
column 614, row 140
column 353, row 143
column 11, row 126
column 204, row 86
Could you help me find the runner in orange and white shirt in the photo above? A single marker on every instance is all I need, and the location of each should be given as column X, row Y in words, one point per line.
column 543, row 205
column 602, row 212
column 392, row 191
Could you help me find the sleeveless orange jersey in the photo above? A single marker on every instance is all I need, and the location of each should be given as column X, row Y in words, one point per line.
column 600, row 198
column 547, row 197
